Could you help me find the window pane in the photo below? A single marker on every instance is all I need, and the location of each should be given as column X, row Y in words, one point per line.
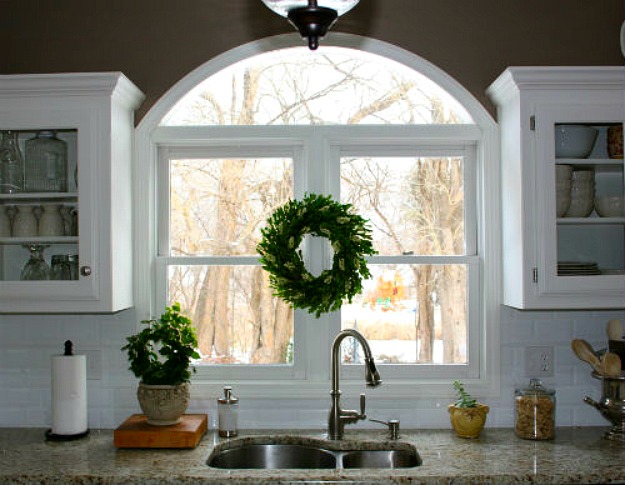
column 414, row 204
column 237, row 318
column 218, row 206
column 339, row 86
column 410, row 314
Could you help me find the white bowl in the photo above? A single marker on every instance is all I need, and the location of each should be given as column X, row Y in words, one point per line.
column 583, row 193
column 580, row 207
column 583, row 175
column 574, row 141
column 609, row 206
column 563, row 172
column 562, row 205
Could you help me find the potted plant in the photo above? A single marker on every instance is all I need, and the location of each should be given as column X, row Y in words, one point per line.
column 160, row 355
column 466, row 414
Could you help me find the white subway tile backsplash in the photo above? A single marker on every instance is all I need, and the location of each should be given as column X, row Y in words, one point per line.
column 27, row 342
column 553, row 331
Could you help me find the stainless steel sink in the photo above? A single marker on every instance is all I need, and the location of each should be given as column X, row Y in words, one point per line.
column 273, row 456
column 381, row 459
column 312, row 454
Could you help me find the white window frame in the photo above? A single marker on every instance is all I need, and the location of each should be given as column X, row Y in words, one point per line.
column 309, row 376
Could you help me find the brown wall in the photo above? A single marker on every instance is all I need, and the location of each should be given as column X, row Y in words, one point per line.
column 157, row 42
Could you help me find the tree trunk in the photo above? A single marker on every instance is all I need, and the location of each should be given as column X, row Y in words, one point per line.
column 425, row 335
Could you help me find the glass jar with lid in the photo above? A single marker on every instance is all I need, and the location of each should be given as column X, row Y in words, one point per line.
column 535, row 412
column 45, row 163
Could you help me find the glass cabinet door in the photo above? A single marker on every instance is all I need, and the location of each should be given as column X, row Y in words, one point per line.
column 580, row 186
column 39, row 215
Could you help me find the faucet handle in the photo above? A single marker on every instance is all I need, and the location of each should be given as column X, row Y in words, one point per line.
column 363, row 405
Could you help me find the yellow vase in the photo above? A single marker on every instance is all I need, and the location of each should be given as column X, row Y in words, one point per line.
column 468, row 422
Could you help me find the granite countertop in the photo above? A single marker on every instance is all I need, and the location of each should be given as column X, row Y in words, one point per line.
column 577, row 455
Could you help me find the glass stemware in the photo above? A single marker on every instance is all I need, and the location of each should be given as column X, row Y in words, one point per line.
column 36, row 267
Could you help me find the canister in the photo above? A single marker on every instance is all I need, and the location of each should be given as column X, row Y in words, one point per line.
column 535, row 412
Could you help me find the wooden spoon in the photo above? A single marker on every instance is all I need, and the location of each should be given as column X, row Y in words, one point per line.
column 584, row 351
column 615, row 330
column 610, row 365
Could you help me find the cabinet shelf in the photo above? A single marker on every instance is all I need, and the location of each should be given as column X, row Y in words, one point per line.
column 618, row 162
column 38, row 240
column 590, row 221
column 39, row 196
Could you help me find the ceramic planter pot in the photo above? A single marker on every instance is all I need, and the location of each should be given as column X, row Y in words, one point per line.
column 468, row 422
column 163, row 405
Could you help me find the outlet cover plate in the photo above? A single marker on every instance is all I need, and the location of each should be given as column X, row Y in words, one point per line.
column 539, row 361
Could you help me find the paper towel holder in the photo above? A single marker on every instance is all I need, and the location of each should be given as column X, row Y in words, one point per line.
column 50, row 436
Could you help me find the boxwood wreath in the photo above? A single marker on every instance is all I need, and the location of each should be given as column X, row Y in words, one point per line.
column 319, row 216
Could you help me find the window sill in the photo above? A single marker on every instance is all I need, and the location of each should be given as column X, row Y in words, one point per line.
column 297, row 390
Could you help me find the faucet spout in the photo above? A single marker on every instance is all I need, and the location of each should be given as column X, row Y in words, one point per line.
column 339, row 417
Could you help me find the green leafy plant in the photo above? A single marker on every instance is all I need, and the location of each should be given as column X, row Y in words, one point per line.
column 162, row 352
column 464, row 398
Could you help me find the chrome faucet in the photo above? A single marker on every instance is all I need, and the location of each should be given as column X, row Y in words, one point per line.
column 340, row 417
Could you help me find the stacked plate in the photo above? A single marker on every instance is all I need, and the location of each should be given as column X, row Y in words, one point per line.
column 575, row 268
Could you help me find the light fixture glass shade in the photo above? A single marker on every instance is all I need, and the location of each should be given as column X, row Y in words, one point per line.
column 283, row 7
column 313, row 18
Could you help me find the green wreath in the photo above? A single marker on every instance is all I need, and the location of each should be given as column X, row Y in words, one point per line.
column 320, row 216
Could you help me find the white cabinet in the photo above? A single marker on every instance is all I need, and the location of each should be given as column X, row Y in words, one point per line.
column 552, row 262
column 93, row 113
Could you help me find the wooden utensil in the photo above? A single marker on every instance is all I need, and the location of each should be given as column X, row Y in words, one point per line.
column 610, row 365
column 584, row 351
column 616, row 344
column 615, row 330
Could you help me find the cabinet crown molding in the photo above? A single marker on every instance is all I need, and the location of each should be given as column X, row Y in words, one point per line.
column 515, row 79
column 109, row 84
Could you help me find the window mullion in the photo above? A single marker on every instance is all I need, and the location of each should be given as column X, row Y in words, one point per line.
column 163, row 208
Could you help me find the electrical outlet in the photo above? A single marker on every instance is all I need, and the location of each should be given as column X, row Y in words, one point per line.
column 94, row 364
column 539, row 361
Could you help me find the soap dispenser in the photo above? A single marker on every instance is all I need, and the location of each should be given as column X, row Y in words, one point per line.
column 228, row 410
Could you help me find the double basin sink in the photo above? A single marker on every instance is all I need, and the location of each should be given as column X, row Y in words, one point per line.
column 290, row 452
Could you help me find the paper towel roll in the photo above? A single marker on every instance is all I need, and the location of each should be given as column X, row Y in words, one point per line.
column 69, row 394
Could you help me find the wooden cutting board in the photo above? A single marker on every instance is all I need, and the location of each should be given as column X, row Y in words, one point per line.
column 135, row 432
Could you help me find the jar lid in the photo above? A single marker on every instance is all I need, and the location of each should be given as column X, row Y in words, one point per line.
column 536, row 388
column 228, row 398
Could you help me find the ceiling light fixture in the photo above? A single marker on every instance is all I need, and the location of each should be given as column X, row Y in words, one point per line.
column 312, row 18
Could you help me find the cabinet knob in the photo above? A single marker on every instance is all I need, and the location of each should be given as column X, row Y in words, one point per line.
column 85, row 270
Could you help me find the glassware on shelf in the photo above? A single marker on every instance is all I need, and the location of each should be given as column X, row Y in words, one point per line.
column 46, row 163
column 51, row 221
column 36, row 267
column 74, row 222
column 69, row 214
column 25, row 221
column 5, row 222
column 11, row 164
column 60, row 267
column 64, row 267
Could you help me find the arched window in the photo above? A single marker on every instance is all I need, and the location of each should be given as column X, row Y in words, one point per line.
column 334, row 86
column 368, row 124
